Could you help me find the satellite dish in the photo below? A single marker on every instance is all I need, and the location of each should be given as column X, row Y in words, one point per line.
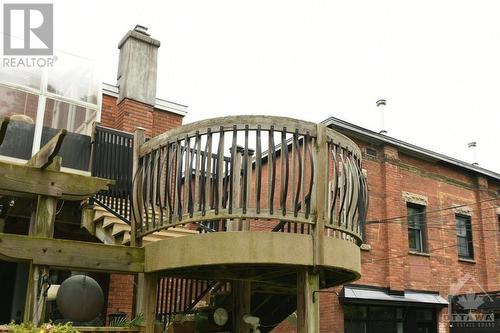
column 80, row 298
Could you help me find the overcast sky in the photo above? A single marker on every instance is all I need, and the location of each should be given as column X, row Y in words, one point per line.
column 436, row 62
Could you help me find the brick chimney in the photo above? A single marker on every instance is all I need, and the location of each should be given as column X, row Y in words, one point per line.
column 137, row 71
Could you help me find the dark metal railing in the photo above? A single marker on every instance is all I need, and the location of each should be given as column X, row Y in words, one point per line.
column 112, row 159
column 179, row 295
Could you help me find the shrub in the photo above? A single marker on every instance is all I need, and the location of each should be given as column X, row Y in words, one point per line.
column 44, row 328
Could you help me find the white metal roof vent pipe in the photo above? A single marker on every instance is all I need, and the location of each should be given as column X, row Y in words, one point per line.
column 381, row 103
column 472, row 148
column 141, row 29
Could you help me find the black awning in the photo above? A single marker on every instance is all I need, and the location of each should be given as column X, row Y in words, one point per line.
column 379, row 296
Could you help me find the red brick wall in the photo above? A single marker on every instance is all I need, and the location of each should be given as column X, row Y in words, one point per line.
column 130, row 114
column 163, row 121
column 109, row 110
column 121, row 294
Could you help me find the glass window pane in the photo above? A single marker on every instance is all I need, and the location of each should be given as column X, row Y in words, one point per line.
column 424, row 315
column 355, row 327
column 384, row 326
column 75, row 78
column 418, row 241
column 15, row 102
column 416, row 215
column 412, row 239
column 382, row 312
column 74, row 118
column 21, row 107
column 463, row 247
column 355, row 312
column 30, row 78
column 399, row 313
column 461, row 228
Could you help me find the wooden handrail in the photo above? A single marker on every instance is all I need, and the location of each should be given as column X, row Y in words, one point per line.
column 216, row 170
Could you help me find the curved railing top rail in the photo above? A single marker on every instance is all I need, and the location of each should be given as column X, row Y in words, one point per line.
column 228, row 123
column 222, row 173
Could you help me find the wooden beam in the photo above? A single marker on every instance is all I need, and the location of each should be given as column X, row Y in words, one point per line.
column 46, row 154
column 307, row 303
column 4, row 123
column 73, row 255
column 26, row 181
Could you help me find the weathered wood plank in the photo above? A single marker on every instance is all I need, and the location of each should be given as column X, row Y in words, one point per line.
column 26, row 181
column 46, row 154
column 71, row 254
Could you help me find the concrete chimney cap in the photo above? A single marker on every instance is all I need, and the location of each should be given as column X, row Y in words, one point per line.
column 139, row 34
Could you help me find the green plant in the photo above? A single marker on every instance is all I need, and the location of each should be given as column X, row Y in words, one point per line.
column 44, row 328
column 137, row 321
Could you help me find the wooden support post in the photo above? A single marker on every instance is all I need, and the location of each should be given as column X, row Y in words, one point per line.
column 321, row 194
column 147, row 288
column 307, row 301
column 242, row 295
column 141, row 280
column 139, row 139
column 235, row 225
column 42, row 225
column 241, row 290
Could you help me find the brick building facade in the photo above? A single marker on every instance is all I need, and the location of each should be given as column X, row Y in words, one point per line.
column 401, row 176
column 400, row 257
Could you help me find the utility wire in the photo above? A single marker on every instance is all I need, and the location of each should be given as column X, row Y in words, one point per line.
column 432, row 211
column 428, row 251
column 444, row 223
column 404, row 220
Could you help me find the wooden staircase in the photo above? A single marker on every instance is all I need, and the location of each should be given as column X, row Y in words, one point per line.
column 111, row 230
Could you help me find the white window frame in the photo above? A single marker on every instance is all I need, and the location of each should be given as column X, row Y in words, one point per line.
column 42, row 93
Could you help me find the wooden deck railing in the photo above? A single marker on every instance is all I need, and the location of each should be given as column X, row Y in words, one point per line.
column 247, row 173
